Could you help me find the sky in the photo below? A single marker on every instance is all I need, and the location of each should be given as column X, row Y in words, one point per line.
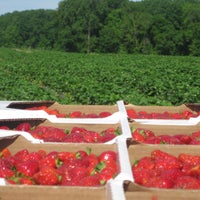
column 20, row 5
column 7, row 6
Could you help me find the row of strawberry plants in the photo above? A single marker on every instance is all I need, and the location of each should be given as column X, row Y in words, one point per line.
column 98, row 78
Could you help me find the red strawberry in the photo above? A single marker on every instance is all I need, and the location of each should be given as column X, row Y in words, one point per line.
column 164, row 160
column 189, row 159
column 138, row 135
column 131, row 113
column 26, row 126
column 49, row 160
column 21, row 155
column 184, row 139
column 107, row 156
column 142, row 175
column 145, row 163
column 91, row 115
column 27, row 168
column 77, row 174
column 65, row 156
column 47, row 176
column 158, row 182
column 187, row 114
column 4, row 153
column 89, row 181
column 4, row 127
column 6, row 173
column 76, row 114
column 195, row 137
column 104, row 114
column 187, row 182
column 26, row 181
column 153, row 140
column 171, row 174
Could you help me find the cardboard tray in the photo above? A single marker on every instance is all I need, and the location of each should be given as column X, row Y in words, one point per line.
column 193, row 107
column 122, row 125
column 62, row 108
column 13, row 192
column 167, row 129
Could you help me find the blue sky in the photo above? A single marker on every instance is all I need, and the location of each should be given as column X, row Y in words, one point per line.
column 20, row 5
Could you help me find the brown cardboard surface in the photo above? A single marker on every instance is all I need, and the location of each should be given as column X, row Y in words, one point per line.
column 164, row 195
column 18, row 192
column 51, row 193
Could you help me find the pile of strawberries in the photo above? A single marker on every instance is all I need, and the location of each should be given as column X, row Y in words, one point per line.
column 75, row 135
column 164, row 170
column 81, row 168
column 186, row 114
column 146, row 136
column 75, row 114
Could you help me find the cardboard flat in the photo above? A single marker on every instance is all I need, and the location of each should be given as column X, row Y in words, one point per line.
column 9, row 192
column 191, row 107
column 167, row 129
column 62, row 108
column 122, row 125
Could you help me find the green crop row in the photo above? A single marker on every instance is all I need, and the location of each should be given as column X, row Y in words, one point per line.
column 73, row 78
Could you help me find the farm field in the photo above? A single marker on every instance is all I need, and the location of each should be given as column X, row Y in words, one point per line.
column 73, row 78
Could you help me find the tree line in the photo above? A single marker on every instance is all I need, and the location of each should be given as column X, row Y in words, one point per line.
column 170, row 27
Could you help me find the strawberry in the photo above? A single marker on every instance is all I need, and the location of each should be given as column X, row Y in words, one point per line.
column 49, row 160
column 104, row 114
column 26, row 126
column 131, row 113
column 6, row 173
column 142, row 176
column 91, row 115
column 91, row 137
column 158, row 182
column 107, row 156
column 171, row 174
column 4, row 153
column 4, row 127
column 26, row 181
column 153, row 140
column 187, row 114
column 138, row 135
column 186, row 182
column 184, row 139
column 65, row 156
column 21, row 155
column 90, row 181
column 195, row 137
column 77, row 174
column 47, row 176
column 145, row 163
column 27, row 168
column 141, row 134
column 164, row 160
column 76, row 114
column 189, row 159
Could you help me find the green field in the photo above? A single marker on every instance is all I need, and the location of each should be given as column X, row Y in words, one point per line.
column 73, row 78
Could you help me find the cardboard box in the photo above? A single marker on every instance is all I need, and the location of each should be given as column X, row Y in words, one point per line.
column 170, row 130
column 18, row 192
column 172, row 109
column 62, row 108
column 122, row 126
column 136, row 152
